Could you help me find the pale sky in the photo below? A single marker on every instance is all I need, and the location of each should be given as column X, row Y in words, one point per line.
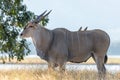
column 72, row 14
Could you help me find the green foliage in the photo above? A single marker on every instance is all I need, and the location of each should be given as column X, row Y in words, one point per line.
column 44, row 21
column 14, row 16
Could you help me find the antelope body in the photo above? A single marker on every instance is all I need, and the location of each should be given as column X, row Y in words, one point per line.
column 60, row 45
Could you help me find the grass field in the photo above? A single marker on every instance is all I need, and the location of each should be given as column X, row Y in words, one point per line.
column 46, row 75
column 38, row 60
column 35, row 74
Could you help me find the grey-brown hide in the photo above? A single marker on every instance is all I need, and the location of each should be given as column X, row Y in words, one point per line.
column 61, row 45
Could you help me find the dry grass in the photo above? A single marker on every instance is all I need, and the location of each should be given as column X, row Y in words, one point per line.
column 38, row 60
column 110, row 61
column 32, row 74
column 46, row 75
column 26, row 60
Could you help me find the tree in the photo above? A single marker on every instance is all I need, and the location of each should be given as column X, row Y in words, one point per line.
column 13, row 17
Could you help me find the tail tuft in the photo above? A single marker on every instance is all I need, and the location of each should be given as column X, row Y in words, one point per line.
column 106, row 58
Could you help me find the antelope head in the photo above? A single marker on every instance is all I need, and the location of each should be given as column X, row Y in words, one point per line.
column 32, row 27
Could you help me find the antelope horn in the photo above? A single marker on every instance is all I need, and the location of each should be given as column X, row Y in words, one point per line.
column 40, row 16
column 47, row 14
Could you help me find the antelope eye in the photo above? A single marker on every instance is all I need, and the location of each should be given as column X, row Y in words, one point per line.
column 25, row 28
column 30, row 26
